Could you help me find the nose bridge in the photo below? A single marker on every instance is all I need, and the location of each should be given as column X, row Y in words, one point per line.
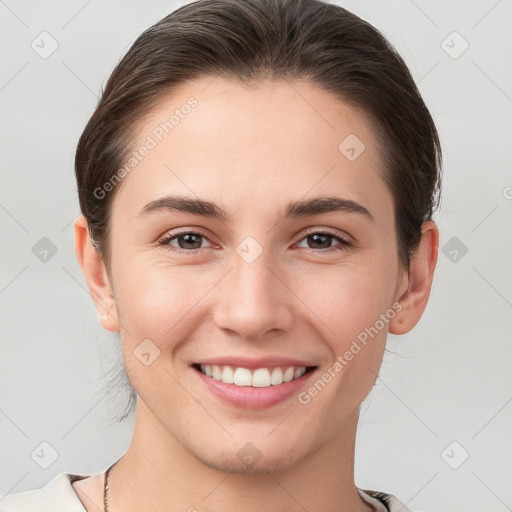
column 254, row 300
column 253, row 277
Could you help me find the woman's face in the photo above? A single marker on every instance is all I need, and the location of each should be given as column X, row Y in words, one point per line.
column 263, row 285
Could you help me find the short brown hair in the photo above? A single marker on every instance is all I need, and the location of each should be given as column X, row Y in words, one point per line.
column 254, row 39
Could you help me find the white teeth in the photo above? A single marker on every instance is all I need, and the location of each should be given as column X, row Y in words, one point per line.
column 259, row 378
column 216, row 372
column 242, row 377
column 299, row 372
column 228, row 375
column 276, row 377
column 288, row 374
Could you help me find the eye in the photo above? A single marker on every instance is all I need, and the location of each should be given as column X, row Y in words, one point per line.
column 324, row 237
column 191, row 241
column 188, row 241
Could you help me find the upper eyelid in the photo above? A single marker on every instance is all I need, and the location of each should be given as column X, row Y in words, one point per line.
column 328, row 231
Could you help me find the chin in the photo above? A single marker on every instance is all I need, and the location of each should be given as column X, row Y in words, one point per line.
column 232, row 463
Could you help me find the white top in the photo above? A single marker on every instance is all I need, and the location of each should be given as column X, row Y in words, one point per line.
column 58, row 495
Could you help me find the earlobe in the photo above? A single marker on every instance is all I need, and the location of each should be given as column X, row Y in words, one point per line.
column 95, row 275
column 414, row 297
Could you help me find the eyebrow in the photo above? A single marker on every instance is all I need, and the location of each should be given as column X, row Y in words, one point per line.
column 304, row 208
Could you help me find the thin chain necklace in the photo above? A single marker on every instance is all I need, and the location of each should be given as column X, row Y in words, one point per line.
column 105, row 489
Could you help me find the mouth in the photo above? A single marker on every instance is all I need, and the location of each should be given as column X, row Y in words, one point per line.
column 264, row 377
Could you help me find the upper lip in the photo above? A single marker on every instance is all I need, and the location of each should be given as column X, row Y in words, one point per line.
column 253, row 363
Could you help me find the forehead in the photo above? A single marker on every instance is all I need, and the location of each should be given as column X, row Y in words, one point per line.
column 271, row 142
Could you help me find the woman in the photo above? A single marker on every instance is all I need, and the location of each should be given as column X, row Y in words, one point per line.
column 257, row 187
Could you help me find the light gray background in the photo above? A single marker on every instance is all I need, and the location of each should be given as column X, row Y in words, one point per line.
column 448, row 380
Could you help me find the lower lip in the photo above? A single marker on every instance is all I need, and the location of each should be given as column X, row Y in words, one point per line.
column 249, row 397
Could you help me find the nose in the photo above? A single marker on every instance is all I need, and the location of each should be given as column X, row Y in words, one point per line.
column 255, row 299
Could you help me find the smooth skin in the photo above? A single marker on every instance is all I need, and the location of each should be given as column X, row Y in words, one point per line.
column 251, row 151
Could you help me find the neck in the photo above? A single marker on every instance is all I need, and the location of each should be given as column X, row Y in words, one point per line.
column 157, row 472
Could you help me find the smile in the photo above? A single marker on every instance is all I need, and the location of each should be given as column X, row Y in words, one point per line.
column 257, row 378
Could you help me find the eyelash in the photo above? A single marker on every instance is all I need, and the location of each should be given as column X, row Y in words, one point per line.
column 164, row 241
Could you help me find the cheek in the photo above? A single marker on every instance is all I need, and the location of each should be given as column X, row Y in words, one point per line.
column 157, row 304
column 158, row 300
column 346, row 300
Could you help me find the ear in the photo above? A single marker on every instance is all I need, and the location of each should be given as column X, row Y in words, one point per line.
column 95, row 275
column 415, row 286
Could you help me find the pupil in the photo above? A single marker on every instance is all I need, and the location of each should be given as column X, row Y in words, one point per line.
column 315, row 237
column 188, row 240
